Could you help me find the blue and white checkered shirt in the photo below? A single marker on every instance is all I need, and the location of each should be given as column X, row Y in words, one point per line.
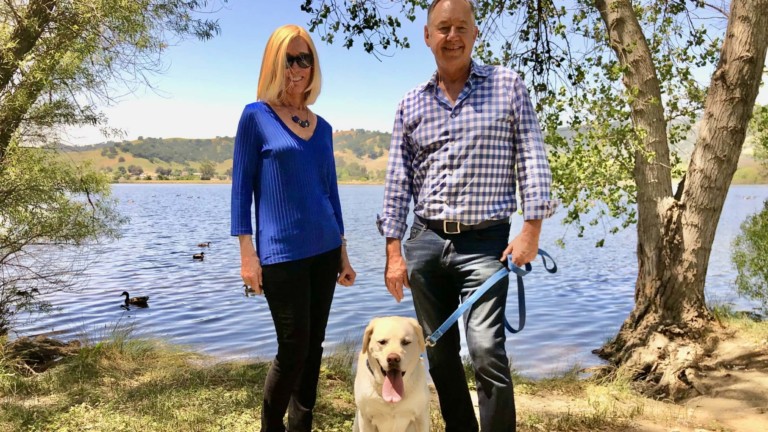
column 460, row 162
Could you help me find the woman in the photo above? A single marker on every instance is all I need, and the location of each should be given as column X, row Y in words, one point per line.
column 283, row 161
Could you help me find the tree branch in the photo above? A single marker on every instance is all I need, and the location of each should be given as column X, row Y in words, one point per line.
column 24, row 37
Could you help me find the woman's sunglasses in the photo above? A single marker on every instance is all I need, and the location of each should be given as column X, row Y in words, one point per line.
column 304, row 60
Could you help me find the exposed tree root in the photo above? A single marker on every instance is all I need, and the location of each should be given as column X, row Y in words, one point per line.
column 667, row 365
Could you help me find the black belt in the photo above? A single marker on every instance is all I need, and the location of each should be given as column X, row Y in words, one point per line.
column 453, row 227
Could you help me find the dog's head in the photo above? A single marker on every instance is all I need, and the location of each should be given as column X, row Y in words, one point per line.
column 393, row 346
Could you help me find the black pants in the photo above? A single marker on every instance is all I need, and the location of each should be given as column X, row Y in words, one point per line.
column 299, row 294
column 444, row 269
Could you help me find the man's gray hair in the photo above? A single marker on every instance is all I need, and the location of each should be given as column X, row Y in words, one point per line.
column 435, row 2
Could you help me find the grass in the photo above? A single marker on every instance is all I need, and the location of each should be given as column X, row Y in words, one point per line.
column 746, row 324
column 128, row 384
column 749, row 171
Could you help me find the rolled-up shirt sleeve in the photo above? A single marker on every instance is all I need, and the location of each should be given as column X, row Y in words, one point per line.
column 245, row 172
column 534, row 177
column 397, row 189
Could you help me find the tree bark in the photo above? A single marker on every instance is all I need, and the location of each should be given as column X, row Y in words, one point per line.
column 664, row 335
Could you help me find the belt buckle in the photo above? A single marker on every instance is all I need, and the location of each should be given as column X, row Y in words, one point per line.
column 454, row 224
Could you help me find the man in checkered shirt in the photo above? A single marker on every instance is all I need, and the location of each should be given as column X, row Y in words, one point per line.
column 461, row 144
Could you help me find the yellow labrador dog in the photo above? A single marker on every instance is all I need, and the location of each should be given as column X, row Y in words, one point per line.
column 391, row 391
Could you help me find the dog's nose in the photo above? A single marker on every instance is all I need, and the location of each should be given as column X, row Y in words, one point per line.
column 393, row 359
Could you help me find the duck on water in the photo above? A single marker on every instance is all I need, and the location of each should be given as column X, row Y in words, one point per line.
column 140, row 301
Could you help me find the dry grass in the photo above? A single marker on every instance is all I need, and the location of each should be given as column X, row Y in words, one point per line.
column 127, row 384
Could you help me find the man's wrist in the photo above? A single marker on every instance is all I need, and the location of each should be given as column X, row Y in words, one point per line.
column 394, row 249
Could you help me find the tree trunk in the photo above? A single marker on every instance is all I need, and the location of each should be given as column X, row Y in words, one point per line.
column 664, row 336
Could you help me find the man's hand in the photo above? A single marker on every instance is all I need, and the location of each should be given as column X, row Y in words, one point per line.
column 395, row 272
column 525, row 245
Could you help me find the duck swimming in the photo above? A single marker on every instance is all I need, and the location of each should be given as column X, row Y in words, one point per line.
column 206, row 244
column 199, row 256
column 135, row 301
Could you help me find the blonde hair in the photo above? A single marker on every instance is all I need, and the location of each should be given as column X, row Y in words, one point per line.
column 272, row 75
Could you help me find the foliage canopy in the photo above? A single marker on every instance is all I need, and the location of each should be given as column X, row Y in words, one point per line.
column 60, row 59
column 759, row 127
column 566, row 58
column 47, row 204
column 749, row 253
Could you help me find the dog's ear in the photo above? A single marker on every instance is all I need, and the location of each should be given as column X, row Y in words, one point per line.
column 367, row 335
column 420, row 332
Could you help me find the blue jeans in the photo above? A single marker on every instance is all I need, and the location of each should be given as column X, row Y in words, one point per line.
column 299, row 294
column 443, row 268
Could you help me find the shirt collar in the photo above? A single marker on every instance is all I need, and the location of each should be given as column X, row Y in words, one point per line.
column 475, row 71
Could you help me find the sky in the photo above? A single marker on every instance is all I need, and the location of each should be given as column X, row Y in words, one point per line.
column 205, row 86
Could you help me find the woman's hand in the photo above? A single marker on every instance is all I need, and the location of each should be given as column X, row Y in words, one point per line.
column 347, row 275
column 250, row 266
column 250, row 271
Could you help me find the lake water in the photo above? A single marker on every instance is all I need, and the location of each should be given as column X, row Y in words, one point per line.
column 201, row 303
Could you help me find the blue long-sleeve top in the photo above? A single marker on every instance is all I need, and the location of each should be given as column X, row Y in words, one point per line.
column 292, row 182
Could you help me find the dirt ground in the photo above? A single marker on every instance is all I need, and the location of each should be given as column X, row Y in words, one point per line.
column 735, row 386
column 734, row 380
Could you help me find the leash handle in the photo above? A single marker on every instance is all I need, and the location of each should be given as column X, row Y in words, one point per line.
column 544, row 256
column 520, row 271
column 521, row 288
column 520, row 307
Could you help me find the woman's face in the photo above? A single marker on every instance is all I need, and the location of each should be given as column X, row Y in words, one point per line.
column 298, row 71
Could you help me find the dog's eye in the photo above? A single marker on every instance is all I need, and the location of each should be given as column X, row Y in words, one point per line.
column 405, row 342
column 382, row 341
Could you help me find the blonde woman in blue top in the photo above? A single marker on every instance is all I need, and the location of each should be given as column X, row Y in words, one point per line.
column 283, row 163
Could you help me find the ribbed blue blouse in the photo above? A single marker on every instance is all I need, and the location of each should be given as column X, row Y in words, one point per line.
column 292, row 182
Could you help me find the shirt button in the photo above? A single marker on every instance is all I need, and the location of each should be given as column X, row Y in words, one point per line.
column 453, row 115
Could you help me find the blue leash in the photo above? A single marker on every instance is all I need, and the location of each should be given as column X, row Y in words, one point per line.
column 519, row 272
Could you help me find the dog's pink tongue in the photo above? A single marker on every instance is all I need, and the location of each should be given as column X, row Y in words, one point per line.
column 393, row 386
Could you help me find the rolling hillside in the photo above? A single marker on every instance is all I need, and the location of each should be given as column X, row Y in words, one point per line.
column 361, row 156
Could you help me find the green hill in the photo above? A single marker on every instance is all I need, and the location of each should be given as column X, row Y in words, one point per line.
column 361, row 156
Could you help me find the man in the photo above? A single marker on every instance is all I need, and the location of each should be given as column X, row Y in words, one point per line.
column 461, row 144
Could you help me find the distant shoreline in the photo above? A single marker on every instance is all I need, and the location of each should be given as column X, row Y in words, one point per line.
column 346, row 183
column 203, row 182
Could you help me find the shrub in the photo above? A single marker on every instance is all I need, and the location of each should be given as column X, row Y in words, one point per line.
column 750, row 255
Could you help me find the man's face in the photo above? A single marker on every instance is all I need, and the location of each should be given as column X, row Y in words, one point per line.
column 450, row 33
